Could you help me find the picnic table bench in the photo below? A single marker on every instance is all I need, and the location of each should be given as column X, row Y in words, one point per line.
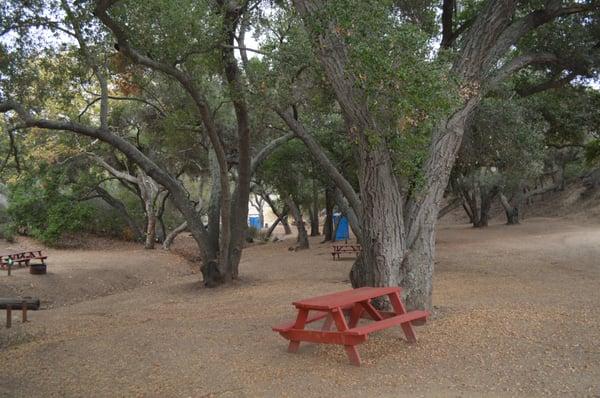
column 339, row 248
column 21, row 259
column 23, row 304
column 357, row 303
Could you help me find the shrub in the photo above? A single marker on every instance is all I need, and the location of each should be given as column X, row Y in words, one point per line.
column 8, row 232
column 43, row 209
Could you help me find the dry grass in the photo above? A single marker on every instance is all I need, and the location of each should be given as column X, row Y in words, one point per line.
column 516, row 315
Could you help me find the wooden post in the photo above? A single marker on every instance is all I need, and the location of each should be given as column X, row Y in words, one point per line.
column 8, row 316
column 24, row 308
column 9, row 267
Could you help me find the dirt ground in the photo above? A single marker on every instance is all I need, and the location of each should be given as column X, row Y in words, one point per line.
column 516, row 314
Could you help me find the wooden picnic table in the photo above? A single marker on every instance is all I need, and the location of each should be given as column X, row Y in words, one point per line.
column 21, row 258
column 339, row 248
column 357, row 302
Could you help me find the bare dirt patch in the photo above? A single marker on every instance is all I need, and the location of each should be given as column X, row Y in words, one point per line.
column 516, row 315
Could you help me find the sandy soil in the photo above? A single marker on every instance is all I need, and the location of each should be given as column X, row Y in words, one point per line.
column 516, row 314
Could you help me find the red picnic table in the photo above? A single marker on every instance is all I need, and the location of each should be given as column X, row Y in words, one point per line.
column 358, row 303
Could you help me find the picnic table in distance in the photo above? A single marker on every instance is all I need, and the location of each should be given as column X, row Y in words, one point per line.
column 21, row 259
column 338, row 248
column 357, row 302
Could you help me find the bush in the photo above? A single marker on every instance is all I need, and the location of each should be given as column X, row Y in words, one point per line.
column 8, row 232
column 42, row 208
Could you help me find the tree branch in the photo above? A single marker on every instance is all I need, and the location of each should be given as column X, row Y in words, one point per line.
column 117, row 173
column 319, row 154
column 547, row 85
column 267, row 150
column 519, row 63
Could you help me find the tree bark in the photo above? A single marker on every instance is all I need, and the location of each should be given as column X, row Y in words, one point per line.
column 286, row 225
column 383, row 241
column 280, row 219
column 122, row 209
column 329, row 205
column 512, row 212
column 238, row 223
column 302, row 241
column 170, row 238
column 487, row 196
column 282, row 216
column 151, row 228
column 214, row 208
column 314, row 211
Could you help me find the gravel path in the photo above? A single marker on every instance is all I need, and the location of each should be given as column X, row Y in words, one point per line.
column 516, row 315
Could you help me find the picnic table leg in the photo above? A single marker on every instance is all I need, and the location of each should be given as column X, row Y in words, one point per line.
column 340, row 323
column 399, row 309
column 300, row 322
column 357, row 310
column 372, row 311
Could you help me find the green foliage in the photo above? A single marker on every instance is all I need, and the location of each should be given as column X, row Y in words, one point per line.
column 40, row 205
column 8, row 232
column 290, row 171
column 592, row 152
column 504, row 144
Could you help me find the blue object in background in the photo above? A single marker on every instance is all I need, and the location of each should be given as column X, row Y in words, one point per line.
column 254, row 222
column 342, row 233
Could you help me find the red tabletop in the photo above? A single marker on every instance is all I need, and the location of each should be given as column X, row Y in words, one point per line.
column 344, row 298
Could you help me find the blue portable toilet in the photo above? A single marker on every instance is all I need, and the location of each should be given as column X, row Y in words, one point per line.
column 254, row 222
column 343, row 232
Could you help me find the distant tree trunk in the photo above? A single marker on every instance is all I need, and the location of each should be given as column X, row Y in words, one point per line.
column 453, row 204
column 487, row 196
column 314, row 212
column 170, row 238
column 118, row 205
column 149, row 190
column 286, row 226
column 214, row 208
column 314, row 221
column 512, row 212
column 281, row 216
column 470, row 205
column 297, row 215
column 329, row 205
column 162, row 202
column 151, row 229
column 258, row 203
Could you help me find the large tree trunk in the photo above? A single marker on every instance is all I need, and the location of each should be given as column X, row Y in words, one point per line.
column 478, row 67
column 383, row 241
column 239, row 204
column 416, row 272
column 302, row 241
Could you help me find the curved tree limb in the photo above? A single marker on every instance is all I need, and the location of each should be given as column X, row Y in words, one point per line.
column 319, row 154
column 267, row 150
